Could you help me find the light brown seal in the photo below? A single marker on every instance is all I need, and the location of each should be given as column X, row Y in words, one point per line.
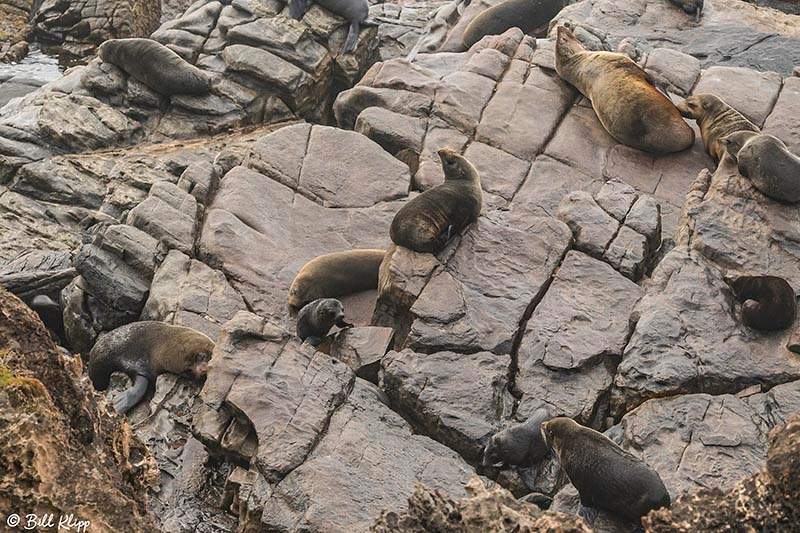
column 716, row 120
column 767, row 162
column 527, row 15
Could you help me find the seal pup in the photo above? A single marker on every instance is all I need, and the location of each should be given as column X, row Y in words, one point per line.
column 155, row 65
column 143, row 350
column 769, row 303
column 767, row 162
column 316, row 319
column 622, row 94
column 356, row 11
column 518, row 445
column 716, row 119
column 690, row 7
column 426, row 222
column 527, row 15
column 606, row 476
column 336, row 274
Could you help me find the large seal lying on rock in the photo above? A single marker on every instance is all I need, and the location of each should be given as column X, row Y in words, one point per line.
column 426, row 223
column 356, row 11
column 316, row 319
column 691, row 7
column 606, row 476
column 336, row 274
column 155, row 65
column 528, row 15
column 769, row 302
column 716, row 120
column 518, row 445
column 627, row 104
column 143, row 350
column 767, row 162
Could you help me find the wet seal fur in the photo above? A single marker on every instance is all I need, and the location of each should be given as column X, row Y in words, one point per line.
column 155, row 65
column 769, row 302
column 622, row 94
column 144, row 350
column 356, row 11
column 716, row 119
column 518, row 445
column 336, row 274
column 767, row 162
column 606, row 476
column 527, row 15
column 690, row 7
column 427, row 222
column 316, row 319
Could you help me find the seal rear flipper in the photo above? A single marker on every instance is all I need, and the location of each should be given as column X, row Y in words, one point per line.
column 125, row 401
column 297, row 8
column 352, row 37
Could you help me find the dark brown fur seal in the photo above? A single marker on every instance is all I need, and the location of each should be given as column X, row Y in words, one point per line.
column 690, row 7
column 143, row 350
column 316, row 319
column 155, row 65
column 356, row 11
column 518, row 445
column 606, row 476
column 426, row 223
column 716, row 119
column 527, row 15
column 336, row 274
column 769, row 302
column 767, row 162
column 622, row 95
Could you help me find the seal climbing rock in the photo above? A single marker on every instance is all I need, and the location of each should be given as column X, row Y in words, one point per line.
column 769, row 302
column 622, row 95
column 767, row 162
column 528, row 15
column 316, row 319
column 716, row 119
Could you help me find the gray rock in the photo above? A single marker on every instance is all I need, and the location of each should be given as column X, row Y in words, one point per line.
column 362, row 349
column 680, row 69
column 781, row 122
column 751, row 93
column 169, row 214
column 593, row 228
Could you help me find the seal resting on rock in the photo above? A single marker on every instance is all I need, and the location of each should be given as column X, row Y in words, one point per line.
column 622, row 94
column 143, row 350
column 518, row 445
column 527, row 15
column 606, row 476
column 316, row 319
column 716, row 119
column 336, row 274
column 690, row 7
column 767, row 162
column 769, row 302
column 356, row 11
column 155, row 65
column 426, row 223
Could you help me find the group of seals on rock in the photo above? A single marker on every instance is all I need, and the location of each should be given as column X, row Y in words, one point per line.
column 528, row 15
column 356, row 11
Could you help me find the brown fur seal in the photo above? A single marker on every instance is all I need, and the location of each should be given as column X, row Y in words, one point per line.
column 622, row 95
column 316, row 319
column 426, row 223
column 716, row 119
column 155, row 65
column 527, row 15
column 767, row 162
column 336, row 274
column 606, row 476
column 356, row 11
column 690, row 7
column 143, row 350
column 518, row 445
column 769, row 302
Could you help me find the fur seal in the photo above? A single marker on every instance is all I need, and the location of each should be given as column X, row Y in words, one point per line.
column 356, row 11
column 769, row 302
column 716, row 119
column 155, row 65
column 143, row 350
column 767, row 162
column 527, row 15
column 316, row 319
column 606, row 476
column 690, row 7
column 622, row 94
column 426, row 223
column 336, row 274
column 518, row 445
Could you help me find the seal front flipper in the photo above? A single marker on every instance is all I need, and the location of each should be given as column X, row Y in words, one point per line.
column 297, row 8
column 342, row 324
column 352, row 37
column 125, row 401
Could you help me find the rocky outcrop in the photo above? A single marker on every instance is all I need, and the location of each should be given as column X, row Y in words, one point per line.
column 15, row 27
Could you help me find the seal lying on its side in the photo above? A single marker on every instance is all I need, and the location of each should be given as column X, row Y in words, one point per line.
column 143, row 350
column 527, row 15
column 316, row 319
column 622, row 95
column 767, row 162
column 155, row 65
column 426, row 222
column 769, row 302
column 716, row 120
column 606, row 476
column 518, row 445
column 356, row 11
column 691, row 7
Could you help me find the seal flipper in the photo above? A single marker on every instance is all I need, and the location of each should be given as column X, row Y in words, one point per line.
column 342, row 324
column 588, row 513
column 370, row 22
column 313, row 341
column 125, row 401
column 352, row 37
column 297, row 8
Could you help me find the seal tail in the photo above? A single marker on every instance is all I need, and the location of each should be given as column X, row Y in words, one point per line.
column 297, row 8
column 352, row 36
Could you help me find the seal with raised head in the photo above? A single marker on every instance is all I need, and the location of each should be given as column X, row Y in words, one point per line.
column 630, row 108
column 518, row 445
column 426, row 222
column 716, row 119
column 606, row 476
column 767, row 162
column 155, row 65
column 144, row 350
column 769, row 303
column 336, row 274
column 527, row 15
column 316, row 319
column 690, row 7
column 356, row 11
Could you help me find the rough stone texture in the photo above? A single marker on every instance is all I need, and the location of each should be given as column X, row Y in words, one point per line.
column 751, row 93
column 362, row 349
